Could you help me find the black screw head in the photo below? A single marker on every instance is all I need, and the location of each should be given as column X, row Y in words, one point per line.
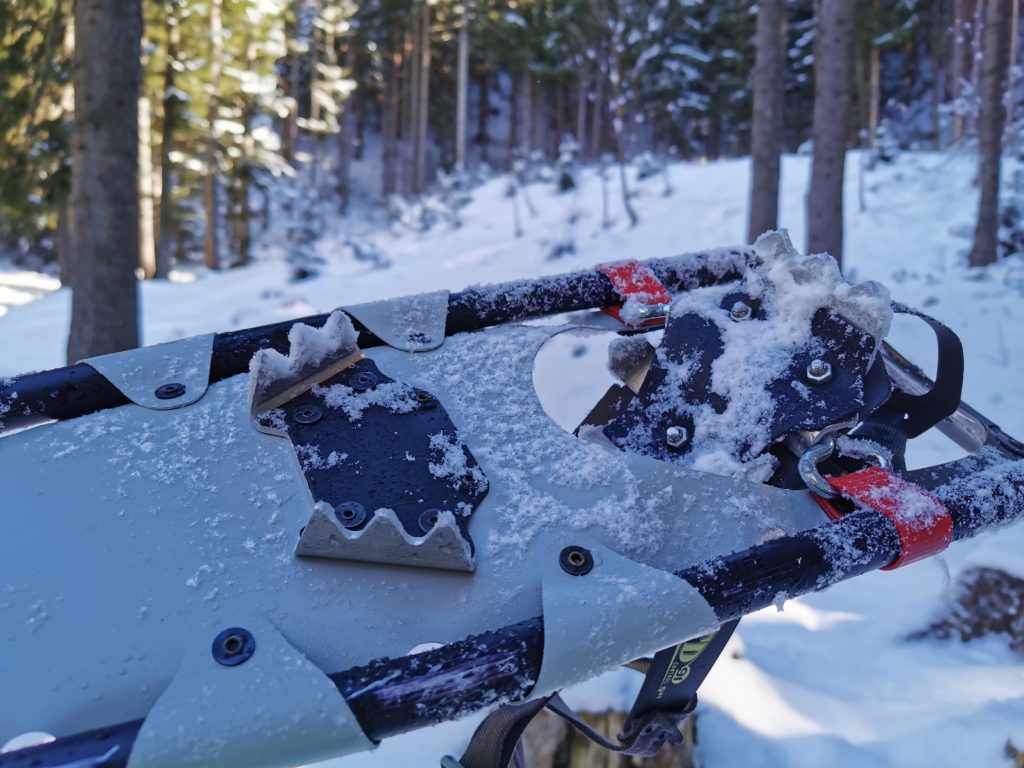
column 350, row 514
column 308, row 414
column 233, row 646
column 425, row 399
column 576, row 561
column 362, row 380
column 429, row 519
column 169, row 391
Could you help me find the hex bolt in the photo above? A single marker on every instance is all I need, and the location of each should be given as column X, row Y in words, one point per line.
column 676, row 436
column 429, row 519
column 233, row 646
column 169, row 391
column 424, row 398
column 350, row 513
column 576, row 561
column 362, row 381
column 819, row 371
column 740, row 311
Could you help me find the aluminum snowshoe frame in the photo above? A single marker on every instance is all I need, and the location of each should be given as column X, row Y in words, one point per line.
column 184, row 630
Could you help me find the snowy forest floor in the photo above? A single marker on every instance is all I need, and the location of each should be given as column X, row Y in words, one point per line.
column 829, row 680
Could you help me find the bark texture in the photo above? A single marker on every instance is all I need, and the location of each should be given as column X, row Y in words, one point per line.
column 833, row 64
column 766, row 127
column 167, row 234
column 462, row 92
column 147, row 243
column 991, row 122
column 958, row 64
column 104, row 194
column 211, row 243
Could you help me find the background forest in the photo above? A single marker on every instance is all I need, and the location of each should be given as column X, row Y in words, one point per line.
column 178, row 167
column 236, row 104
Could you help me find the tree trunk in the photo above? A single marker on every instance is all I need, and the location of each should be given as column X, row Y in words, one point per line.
column 392, row 99
column 617, row 125
column 211, row 244
column 595, row 121
column 874, row 77
column 360, row 68
column 513, row 120
column 937, row 35
column 831, row 117
column 410, row 102
column 526, row 101
column 977, row 61
column 147, row 248
column 345, row 157
column 990, row 132
column 766, row 128
column 462, row 92
column 1010, row 79
column 166, row 238
column 423, row 105
column 537, row 112
column 291, row 123
column 561, row 119
column 958, row 67
column 581, row 114
column 104, row 191
column 242, row 213
column 483, row 117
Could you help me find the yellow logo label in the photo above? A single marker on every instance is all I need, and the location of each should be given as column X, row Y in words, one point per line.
column 679, row 668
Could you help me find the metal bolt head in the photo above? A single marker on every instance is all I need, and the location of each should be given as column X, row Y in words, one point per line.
column 740, row 312
column 350, row 514
column 169, row 391
column 676, row 436
column 819, row 372
column 362, row 381
column 233, row 646
column 308, row 414
column 429, row 519
column 652, row 311
column 576, row 561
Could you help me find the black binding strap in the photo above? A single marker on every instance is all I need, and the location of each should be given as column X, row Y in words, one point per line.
column 926, row 409
column 667, row 697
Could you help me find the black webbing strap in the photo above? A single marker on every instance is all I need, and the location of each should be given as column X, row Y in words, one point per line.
column 495, row 740
column 667, row 697
column 674, row 676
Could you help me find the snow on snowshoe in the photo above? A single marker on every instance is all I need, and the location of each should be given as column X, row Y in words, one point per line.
column 222, row 550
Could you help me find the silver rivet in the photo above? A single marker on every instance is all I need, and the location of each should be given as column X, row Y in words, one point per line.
column 676, row 436
column 651, row 311
column 819, row 372
column 740, row 312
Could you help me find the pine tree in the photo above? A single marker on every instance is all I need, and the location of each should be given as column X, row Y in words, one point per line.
column 832, row 79
column 990, row 131
column 766, row 131
column 104, row 196
column 35, row 127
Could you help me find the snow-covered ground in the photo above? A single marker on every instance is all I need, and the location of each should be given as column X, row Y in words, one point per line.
column 831, row 679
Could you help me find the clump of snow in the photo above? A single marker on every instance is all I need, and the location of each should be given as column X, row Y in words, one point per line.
column 308, row 348
column 450, row 462
column 392, row 395
column 309, row 456
column 791, row 289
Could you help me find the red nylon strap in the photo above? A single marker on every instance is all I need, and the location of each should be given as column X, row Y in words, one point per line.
column 922, row 521
column 635, row 280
